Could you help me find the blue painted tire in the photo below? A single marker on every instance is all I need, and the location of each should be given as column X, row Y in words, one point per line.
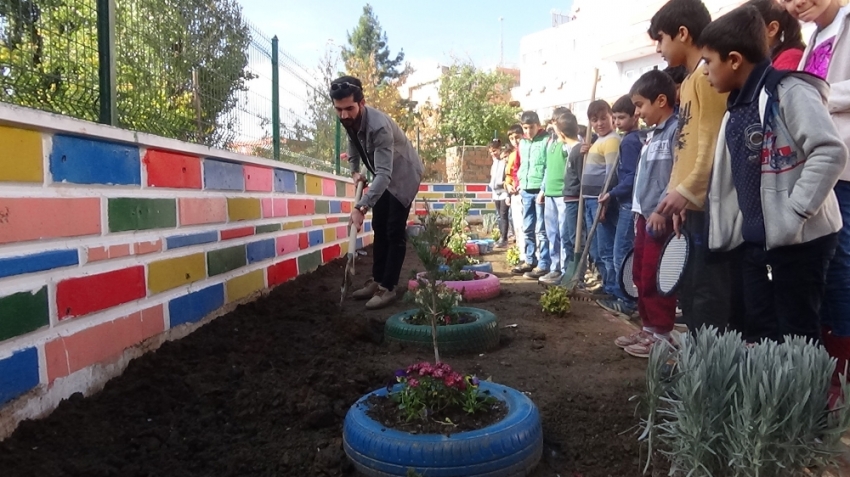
column 511, row 447
column 485, row 267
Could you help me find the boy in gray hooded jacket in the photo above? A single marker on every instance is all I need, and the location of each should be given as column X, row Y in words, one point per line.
column 778, row 158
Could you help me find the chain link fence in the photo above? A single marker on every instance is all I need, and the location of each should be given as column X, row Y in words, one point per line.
column 193, row 70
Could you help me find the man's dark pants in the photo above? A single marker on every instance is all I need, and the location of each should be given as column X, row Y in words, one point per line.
column 389, row 223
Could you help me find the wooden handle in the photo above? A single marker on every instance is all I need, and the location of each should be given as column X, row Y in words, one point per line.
column 352, row 231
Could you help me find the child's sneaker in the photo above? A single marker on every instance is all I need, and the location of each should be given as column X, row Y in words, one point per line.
column 523, row 267
column 634, row 338
column 535, row 274
column 551, row 278
column 616, row 306
column 642, row 348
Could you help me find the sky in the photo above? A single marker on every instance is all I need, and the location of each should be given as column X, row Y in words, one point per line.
column 429, row 31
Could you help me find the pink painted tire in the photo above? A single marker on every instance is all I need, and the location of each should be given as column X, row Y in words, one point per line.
column 472, row 290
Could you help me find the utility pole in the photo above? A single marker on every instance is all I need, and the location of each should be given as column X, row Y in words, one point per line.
column 501, row 41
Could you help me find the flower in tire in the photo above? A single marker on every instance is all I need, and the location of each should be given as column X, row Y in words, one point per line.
column 428, row 389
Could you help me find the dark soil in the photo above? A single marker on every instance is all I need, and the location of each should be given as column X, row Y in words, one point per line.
column 263, row 390
column 447, row 421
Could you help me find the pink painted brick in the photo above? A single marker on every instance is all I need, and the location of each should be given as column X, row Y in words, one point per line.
column 144, row 248
column 287, row 244
column 329, row 187
column 97, row 254
column 117, row 251
column 202, row 211
column 23, row 220
column 268, row 208
column 342, row 232
column 280, row 207
column 257, row 178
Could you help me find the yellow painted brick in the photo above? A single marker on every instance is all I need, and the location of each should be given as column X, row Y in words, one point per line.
column 490, row 206
column 320, row 221
column 174, row 272
column 292, row 225
column 242, row 286
column 330, row 235
column 20, row 155
column 343, row 249
column 243, row 208
column 431, row 195
column 313, row 185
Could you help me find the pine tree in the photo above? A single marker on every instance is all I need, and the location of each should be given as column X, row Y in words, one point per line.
column 368, row 41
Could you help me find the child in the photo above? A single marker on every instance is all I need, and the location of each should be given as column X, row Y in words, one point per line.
column 779, row 156
column 828, row 56
column 572, row 194
column 599, row 163
column 678, row 75
column 512, row 187
column 654, row 96
column 707, row 294
column 627, row 123
column 530, row 174
column 784, row 35
column 497, row 186
column 555, row 209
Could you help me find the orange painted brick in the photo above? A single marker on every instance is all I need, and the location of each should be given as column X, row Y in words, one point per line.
column 117, row 251
column 144, row 248
column 23, row 220
column 202, row 211
column 237, row 233
column 97, row 254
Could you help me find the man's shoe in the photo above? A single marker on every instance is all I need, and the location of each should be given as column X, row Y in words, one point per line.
column 381, row 298
column 367, row 291
column 551, row 278
column 522, row 268
column 535, row 274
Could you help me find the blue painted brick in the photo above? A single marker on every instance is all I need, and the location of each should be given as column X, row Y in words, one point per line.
column 259, row 251
column 443, row 188
column 359, row 243
column 284, row 181
column 38, row 262
column 193, row 307
column 438, row 206
column 367, row 226
column 315, row 237
column 336, row 207
column 18, row 374
column 86, row 161
column 178, row 241
column 221, row 175
column 474, row 212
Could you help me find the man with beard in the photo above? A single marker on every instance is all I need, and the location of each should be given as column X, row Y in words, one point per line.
column 377, row 141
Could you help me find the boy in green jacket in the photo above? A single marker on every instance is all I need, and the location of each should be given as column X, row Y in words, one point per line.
column 532, row 150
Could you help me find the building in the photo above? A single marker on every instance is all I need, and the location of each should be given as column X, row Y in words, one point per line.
column 557, row 63
column 423, row 85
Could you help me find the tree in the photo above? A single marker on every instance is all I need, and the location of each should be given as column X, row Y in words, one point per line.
column 474, row 104
column 181, row 64
column 368, row 40
column 380, row 94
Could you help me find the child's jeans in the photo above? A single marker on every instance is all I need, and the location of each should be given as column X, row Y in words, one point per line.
column 784, row 288
column 534, row 228
column 555, row 214
column 502, row 214
column 603, row 243
column 516, row 219
column 569, row 229
column 624, row 242
column 836, row 304
column 657, row 313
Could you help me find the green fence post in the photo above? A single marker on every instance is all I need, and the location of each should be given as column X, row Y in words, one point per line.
column 108, row 113
column 337, row 146
column 275, row 103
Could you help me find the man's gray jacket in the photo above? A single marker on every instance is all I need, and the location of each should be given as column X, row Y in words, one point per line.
column 397, row 167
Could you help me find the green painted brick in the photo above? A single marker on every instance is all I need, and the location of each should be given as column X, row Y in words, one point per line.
column 479, row 206
column 340, row 189
column 141, row 214
column 455, row 195
column 23, row 312
column 323, row 207
column 309, row 262
column 264, row 229
column 299, row 183
column 226, row 259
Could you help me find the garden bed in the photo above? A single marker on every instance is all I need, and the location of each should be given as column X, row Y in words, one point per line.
column 264, row 390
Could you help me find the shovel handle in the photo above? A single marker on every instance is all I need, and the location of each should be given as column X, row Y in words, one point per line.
column 352, row 231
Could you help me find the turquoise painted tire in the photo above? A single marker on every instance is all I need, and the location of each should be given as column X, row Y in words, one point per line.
column 477, row 337
column 511, row 447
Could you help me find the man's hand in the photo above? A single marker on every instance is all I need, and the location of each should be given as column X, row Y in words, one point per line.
column 584, row 148
column 540, row 198
column 356, row 218
column 656, row 225
column 358, row 177
column 678, row 221
column 673, row 204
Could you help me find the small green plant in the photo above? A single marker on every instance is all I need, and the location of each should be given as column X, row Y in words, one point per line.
column 428, row 389
column 512, row 256
column 495, row 235
column 488, row 223
column 555, row 301
column 715, row 406
column 442, row 305
column 456, row 212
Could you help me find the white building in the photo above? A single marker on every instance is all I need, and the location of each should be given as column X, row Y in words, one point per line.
column 557, row 64
column 423, row 85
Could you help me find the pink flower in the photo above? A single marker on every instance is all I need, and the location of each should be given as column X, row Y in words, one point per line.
column 438, row 373
column 425, row 369
column 413, row 382
column 445, row 367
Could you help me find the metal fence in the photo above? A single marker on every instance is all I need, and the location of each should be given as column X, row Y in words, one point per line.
column 194, row 70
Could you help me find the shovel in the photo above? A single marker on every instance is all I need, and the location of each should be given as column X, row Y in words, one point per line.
column 352, row 251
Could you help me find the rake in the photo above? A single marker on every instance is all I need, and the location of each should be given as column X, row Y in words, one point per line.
column 352, row 251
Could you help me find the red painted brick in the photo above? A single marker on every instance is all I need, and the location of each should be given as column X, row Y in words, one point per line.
column 117, row 251
column 476, row 188
column 144, row 248
column 301, row 207
column 202, row 211
column 332, row 220
column 345, row 207
column 170, row 169
column 331, row 253
column 303, row 241
column 421, row 212
column 101, row 343
column 84, row 295
column 282, row 272
column 423, row 187
column 287, row 244
column 97, row 254
column 22, row 220
column 236, row 233
column 257, row 178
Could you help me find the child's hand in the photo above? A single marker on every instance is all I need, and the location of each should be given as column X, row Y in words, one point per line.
column 540, row 198
column 656, row 225
column 672, row 204
column 584, row 148
column 678, row 221
column 603, row 199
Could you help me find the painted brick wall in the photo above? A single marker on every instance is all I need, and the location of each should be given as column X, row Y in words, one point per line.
column 109, row 238
column 440, row 195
